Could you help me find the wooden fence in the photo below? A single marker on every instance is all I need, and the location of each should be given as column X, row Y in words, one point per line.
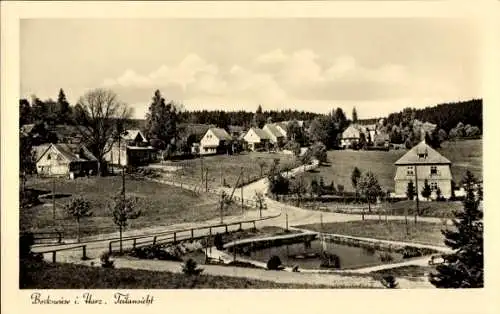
column 181, row 234
column 54, row 251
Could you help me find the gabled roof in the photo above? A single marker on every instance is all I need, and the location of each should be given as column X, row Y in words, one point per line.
column 27, row 128
column 260, row 133
column 422, row 154
column 71, row 152
column 221, row 134
column 131, row 135
column 273, row 129
column 282, row 125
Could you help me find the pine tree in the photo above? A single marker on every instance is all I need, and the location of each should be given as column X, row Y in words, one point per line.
column 426, row 191
column 464, row 267
column 410, row 190
column 63, row 108
column 161, row 123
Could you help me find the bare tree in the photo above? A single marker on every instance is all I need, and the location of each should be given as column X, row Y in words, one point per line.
column 97, row 114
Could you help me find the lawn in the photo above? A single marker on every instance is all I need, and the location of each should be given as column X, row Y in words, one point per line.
column 464, row 155
column 160, row 205
column 228, row 168
column 405, row 271
column 69, row 276
column 423, row 232
column 426, row 209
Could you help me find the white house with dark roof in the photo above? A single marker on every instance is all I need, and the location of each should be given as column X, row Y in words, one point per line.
column 215, row 140
column 422, row 163
column 65, row 159
column 256, row 139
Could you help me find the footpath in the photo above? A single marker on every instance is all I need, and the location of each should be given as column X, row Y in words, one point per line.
column 286, row 214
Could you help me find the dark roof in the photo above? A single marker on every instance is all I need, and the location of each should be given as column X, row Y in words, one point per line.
column 273, row 129
column 430, row 156
column 221, row 134
column 261, row 133
column 72, row 152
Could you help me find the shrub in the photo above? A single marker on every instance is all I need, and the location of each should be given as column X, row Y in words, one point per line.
column 410, row 252
column 330, row 260
column 386, row 257
column 26, row 240
column 218, row 242
column 369, row 250
column 105, row 260
column 191, row 268
column 274, row 263
column 389, row 282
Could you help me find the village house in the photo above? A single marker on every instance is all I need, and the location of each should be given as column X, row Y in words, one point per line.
column 215, row 141
column 70, row 160
column 422, row 163
column 132, row 150
column 276, row 134
column 351, row 136
column 257, row 139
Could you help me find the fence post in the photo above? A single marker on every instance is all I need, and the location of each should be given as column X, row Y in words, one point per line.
column 53, row 256
column 226, row 228
column 59, row 237
column 135, row 243
column 110, row 246
column 175, row 237
column 154, row 240
column 241, row 227
column 84, row 252
column 192, row 234
column 254, row 227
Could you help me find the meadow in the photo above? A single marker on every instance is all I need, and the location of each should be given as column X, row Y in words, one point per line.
column 69, row 276
column 160, row 204
column 464, row 155
column 225, row 169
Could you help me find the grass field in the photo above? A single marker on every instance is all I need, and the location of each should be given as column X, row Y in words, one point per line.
column 160, row 205
column 426, row 209
column 423, row 232
column 228, row 168
column 69, row 276
column 464, row 155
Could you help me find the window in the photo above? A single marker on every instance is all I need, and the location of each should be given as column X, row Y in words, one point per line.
column 434, row 170
column 409, row 171
column 48, row 157
column 434, row 185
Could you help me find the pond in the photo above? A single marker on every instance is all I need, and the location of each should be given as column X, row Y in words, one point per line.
column 309, row 258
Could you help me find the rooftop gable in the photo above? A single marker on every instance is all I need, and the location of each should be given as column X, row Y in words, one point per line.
column 221, row 134
column 422, row 154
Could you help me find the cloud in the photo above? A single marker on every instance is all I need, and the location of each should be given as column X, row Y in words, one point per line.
column 276, row 77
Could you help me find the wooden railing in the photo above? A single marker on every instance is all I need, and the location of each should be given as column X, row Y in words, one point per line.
column 54, row 252
column 181, row 234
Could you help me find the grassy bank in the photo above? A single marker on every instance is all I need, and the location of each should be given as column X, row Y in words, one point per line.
column 464, row 155
column 227, row 168
column 423, row 232
column 160, row 205
column 69, row 276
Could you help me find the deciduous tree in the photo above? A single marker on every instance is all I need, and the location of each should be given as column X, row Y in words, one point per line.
column 78, row 208
column 96, row 114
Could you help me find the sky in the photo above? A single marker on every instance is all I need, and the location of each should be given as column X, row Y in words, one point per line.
column 377, row 65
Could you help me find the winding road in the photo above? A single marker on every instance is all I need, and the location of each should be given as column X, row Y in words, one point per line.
column 96, row 245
